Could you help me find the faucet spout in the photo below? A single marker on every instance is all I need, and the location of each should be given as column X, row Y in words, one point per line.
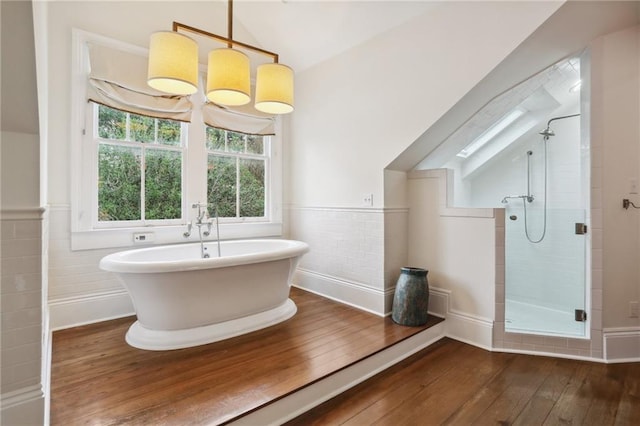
column 203, row 220
column 202, row 212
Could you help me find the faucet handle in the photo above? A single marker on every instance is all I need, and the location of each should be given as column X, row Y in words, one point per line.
column 208, row 231
column 188, row 233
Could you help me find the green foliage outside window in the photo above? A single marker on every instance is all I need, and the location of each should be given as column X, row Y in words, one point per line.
column 251, row 188
column 119, row 183
column 236, row 184
column 163, row 185
column 221, row 182
column 235, row 175
column 112, row 124
column 120, row 170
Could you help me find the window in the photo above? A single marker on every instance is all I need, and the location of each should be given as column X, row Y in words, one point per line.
column 131, row 173
column 236, row 173
column 139, row 166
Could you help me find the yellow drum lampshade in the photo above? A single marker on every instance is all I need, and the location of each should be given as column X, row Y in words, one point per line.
column 173, row 63
column 228, row 77
column 274, row 89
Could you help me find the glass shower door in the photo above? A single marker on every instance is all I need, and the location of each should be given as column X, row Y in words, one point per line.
column 545, row 282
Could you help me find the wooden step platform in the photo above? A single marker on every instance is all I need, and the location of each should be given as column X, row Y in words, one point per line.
column 271, row 375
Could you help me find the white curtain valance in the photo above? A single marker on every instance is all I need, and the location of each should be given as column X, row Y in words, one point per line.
column 118, row 79
column 241, row 119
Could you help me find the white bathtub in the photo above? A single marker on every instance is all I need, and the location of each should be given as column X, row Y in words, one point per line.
column 182, row 300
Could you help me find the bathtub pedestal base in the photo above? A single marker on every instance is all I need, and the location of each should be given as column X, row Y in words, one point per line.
column 162, row 340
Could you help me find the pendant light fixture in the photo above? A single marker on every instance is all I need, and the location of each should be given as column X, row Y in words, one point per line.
column 274, row 89
column 173, row 63
column 173, row 68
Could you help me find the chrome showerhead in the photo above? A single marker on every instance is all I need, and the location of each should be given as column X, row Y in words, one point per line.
column 547, row 133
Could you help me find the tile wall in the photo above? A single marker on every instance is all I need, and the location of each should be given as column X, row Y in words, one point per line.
column 22, row 333
column 345, row 243
column 355, row 253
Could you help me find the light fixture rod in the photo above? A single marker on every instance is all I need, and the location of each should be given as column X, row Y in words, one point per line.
column 177, row 26
column 230, row 23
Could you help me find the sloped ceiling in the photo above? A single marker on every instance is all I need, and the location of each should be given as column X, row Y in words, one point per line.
column 306, row 32
column 568, row 31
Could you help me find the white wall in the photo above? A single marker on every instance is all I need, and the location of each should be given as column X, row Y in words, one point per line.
column 20, row 167
column 616, row 154
column 356, row 112
column 458, row 251
column 23, row 344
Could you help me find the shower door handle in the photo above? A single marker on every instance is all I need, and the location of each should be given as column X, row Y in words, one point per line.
column 581, row 228
column 580, row 315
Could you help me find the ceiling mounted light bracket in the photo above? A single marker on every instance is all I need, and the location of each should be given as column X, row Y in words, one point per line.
column 230, row 42
column 173, row 68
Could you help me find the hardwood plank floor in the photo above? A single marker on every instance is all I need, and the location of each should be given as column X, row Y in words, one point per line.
column 97, row 378
column 457, row 384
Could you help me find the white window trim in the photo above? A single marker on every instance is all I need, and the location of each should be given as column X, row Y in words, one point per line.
column 85, row 235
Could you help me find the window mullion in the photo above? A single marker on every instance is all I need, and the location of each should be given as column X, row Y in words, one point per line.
column 127, row 133
column 237, row 187
column 143, row 153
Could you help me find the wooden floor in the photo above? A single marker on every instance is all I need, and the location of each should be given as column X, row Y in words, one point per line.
column 96, row 378
column 457, row 384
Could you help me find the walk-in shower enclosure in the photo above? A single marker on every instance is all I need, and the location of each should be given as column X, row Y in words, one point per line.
column 500, row 159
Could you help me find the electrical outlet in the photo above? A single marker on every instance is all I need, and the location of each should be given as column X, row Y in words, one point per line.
column 143, row 237
column 367, row 200
column 634, row 309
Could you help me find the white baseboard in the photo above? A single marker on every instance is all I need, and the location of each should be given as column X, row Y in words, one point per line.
column 23, row 407
column 348, row 292
column 305, row 399
column 470, row 330
column 75, row 311
column 621, row 344
column 460, row 326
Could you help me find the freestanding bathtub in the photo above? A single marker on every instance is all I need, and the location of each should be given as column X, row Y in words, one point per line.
column 182, row 300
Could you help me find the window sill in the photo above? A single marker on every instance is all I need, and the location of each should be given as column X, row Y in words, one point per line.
column 159, row 235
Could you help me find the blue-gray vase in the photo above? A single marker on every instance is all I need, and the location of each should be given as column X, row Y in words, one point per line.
column 411, row 298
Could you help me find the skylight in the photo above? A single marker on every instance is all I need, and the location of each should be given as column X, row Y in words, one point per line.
column 491, row 132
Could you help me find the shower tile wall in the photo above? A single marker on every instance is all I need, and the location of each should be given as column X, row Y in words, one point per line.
column 557, row 279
